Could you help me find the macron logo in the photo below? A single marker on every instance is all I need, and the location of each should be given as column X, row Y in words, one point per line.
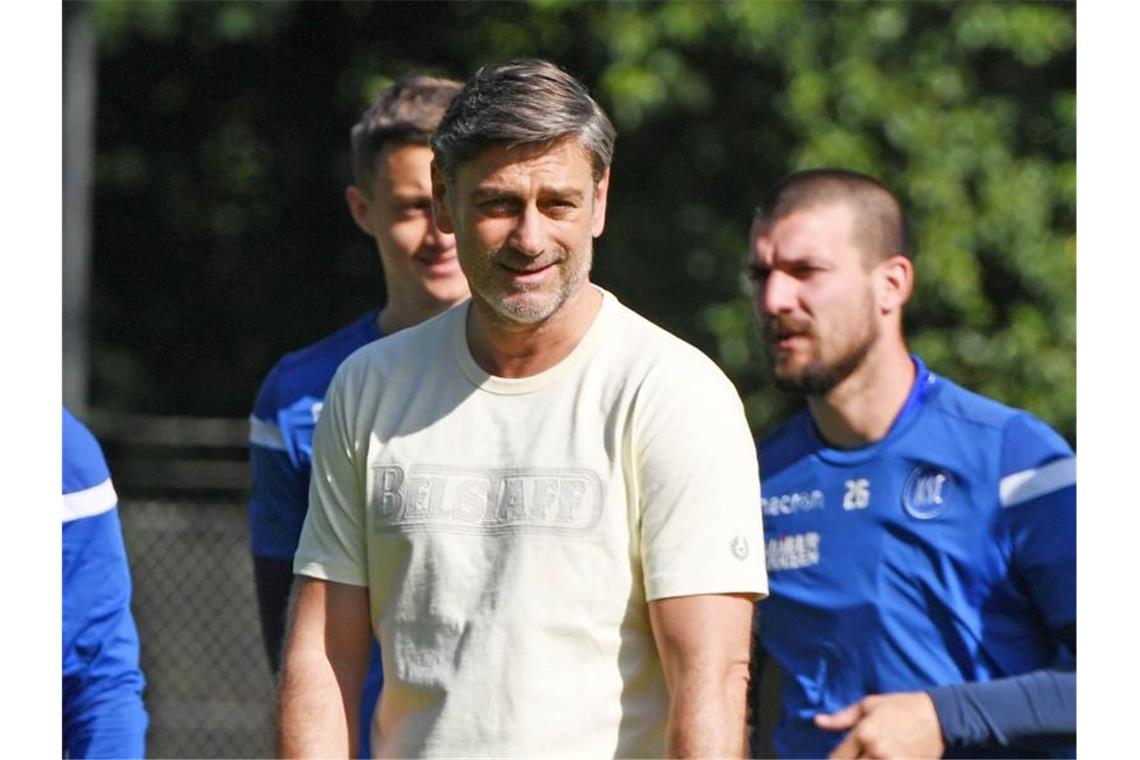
column 790, row 503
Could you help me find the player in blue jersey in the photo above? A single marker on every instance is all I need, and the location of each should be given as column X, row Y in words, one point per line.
column 920, row 538
column 103, row 712
column 390, row 200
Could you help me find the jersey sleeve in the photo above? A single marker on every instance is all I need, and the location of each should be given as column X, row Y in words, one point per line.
column 1033, row 711
column 333, row 542
column 279, row 490
column 1037, row 497
column 103, row 711
column 697, row 476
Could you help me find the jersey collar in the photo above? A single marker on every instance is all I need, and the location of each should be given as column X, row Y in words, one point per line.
column 924, row 384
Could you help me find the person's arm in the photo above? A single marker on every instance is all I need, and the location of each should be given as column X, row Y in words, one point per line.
column 103, row 712
column 763, row 693
column 901, row 724
column 278, row 501
column 1029, row 711
column 326, row 657
column 273, row 581
column 752, row 696
column 327, row 646
column 703, row 643
column 1035, row 710
column 1038, row 495
column 701, row 541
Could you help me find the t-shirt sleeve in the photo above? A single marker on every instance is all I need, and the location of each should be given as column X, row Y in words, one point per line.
column 333, row 540
column 698, row 481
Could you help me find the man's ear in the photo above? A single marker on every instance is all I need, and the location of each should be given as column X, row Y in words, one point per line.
column 358, row 206
column 601, row 192
column 439, row 207
column 894, row 283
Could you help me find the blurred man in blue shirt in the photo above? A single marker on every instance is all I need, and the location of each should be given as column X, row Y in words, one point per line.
column 103, row 712
column 921, row 539
column 390, row 201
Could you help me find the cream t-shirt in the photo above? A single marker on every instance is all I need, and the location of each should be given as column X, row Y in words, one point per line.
column 511, row 531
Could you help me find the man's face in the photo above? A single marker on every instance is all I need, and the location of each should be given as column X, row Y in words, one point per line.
column 813, row 295
column 419, row 259
column 524, row 219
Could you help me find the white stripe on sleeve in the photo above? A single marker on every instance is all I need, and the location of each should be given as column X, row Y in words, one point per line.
column 90, row 501
column 1038, row 481
column 265, row 434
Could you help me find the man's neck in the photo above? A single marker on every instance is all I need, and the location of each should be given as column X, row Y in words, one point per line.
column 399, row 314
column 862, row 408
column 512, row 350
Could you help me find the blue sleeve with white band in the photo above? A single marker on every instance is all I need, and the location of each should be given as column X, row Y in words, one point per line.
column 281, row 431
column 279, row 464
column 103, row 711
column 1037, row 493
column 282, row 425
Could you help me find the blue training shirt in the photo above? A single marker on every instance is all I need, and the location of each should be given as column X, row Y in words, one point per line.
column 281, row 449
column 103, row 712
column 942, row 555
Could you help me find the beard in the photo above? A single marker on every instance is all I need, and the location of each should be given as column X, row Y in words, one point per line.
column 549, row 297
column 818, row 376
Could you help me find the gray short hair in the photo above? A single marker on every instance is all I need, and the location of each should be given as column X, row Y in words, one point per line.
column 525, row 102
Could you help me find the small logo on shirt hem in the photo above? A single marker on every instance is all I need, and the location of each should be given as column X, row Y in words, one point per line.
column 739, row 547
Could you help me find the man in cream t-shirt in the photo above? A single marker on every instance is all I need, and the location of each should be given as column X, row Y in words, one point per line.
column 544, row 506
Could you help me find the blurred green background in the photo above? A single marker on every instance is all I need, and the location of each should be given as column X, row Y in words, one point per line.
column 220, row 239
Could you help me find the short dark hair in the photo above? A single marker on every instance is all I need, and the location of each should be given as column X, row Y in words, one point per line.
column 406, row 114
column 881, row 228
column 524, row 102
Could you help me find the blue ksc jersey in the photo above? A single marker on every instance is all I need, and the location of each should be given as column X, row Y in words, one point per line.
column 103, row 712
column 281, row 436
column 944, row 553
column 281, row 451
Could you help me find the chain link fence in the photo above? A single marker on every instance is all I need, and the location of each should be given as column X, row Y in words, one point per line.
column 209, row 688
column 182, row 486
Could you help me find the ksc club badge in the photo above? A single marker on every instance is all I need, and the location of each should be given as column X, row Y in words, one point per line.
column 927, row 492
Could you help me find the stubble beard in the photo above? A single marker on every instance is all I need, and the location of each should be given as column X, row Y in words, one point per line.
column 818, row 377
column 533, row 311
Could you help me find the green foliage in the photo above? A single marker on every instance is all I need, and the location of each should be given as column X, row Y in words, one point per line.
column 968, row 110
column 222, row 131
